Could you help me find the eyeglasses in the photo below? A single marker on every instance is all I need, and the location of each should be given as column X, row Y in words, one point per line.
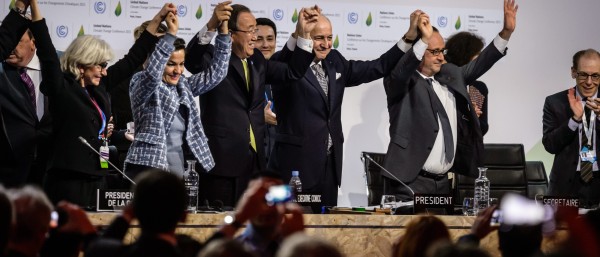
column 436, row 52
column 249, row 32
column 102, row 65
column 584, row 76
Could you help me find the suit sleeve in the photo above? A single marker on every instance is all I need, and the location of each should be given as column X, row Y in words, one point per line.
column 53, row 81
column 12, row 29
column 557, row 134
column 207, row 79
column 198, row 56
column 293, row 69
column 396, row 81
column 359, row 72
column 480, row 65
column 125, row 67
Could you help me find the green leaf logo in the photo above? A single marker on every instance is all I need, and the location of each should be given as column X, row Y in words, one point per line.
column 369, row 20
column 295, row 16
column 81, row 32
column 199, row 12
column 118, row 10
column 336, row 42
column 457, row 24
column 11, row 5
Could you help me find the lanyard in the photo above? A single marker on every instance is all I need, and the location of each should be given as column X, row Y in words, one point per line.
column 102, row 116
column 589, row 130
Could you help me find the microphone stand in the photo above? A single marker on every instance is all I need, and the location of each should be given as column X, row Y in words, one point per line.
column 85, row 142
column 388, row 172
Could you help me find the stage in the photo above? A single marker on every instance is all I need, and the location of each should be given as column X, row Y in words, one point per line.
column 355, row 235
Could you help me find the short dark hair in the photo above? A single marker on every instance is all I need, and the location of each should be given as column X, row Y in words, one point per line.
column 179, row 44
column 519, row 240
column 267, row 22
column 462, row 47
column 237, row 9
column 587, row 53
column 159, row 201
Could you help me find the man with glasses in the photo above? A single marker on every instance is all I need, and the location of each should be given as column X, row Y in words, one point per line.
column 232, row 112
column 570, row 120
column 433, row 126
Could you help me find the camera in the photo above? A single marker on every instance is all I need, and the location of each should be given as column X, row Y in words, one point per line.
column 496, row 218
column 278, row 194
column 58, row 218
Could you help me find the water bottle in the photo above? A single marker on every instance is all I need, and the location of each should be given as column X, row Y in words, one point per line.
column 482, row 191
column 295, row 184
column 190, row 178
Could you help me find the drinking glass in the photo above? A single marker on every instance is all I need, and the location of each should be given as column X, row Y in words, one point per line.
column 468, row 206
column 388, row 201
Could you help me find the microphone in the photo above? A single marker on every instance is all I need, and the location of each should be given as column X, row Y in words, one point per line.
column 388, row 172
column 85, row 142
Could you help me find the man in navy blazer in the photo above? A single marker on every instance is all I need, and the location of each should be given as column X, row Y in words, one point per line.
column 423, row 147
column 232, row 113
column 309, row 124
column 567, row 128
column 25, row 128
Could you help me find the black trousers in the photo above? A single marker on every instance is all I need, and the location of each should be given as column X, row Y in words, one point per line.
column 222, row 190
column 75, row 187
column 327, row 187
column 421, row 184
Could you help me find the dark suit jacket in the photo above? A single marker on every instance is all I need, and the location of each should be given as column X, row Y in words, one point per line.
column 305, row 115
column 228, row 110
column 23, row 136
column 561, row 141
column 73, row 112
column 413, row 123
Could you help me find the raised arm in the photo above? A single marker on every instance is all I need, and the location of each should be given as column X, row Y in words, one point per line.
column 12, row 29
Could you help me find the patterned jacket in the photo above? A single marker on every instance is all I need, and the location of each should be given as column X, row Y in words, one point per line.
column 154, row 104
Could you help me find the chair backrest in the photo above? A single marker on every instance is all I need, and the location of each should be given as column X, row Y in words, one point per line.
column 537, row 179
column 373, row 176
column 506, row 172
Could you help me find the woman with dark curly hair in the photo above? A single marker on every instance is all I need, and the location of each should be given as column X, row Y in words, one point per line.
column 462, row 48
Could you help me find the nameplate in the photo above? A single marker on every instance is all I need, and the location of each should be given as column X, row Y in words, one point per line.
column 434, row 203
column 113, row 199
column 561, row 201
column 308, row 198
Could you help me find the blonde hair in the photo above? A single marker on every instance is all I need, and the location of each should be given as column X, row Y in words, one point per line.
column 85, row 50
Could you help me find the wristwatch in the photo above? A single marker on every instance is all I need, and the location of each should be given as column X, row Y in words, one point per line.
column 406, row 40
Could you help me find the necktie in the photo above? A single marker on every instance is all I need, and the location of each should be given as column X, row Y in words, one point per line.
column 439, row 109
column 322, row 78
column 247, row 75
column 585, row 168
column 29, row 84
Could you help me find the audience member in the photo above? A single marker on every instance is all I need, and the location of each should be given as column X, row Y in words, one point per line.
column 433, row 126
column 233, row 112
column 301, row 245
column 310, row 112
column 226, row 248
column 570, row 134
column 421, row 233
column 80, row 108
column 266, row 41
column 6, row 220
column 448, row 249
column 462, row 48
column 25, row 126
column 166, row 129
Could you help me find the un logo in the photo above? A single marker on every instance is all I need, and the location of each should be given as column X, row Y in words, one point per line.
column 62, row 31
column 182, row 10
column 442, row 21
column 278, row 14
column 99, row 7
column 353, row 17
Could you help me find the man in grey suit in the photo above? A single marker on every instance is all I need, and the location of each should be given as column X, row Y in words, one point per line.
column 568, row 133
column 433, row 126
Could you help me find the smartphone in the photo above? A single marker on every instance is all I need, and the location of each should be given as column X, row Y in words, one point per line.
column 496, row 218
column 278, row 194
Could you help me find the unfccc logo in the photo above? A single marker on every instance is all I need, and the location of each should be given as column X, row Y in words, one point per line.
column 62, row 31
column 181, row 10
column 278, row 14
column 442, row 21
column 99, row 7
column 352, row 17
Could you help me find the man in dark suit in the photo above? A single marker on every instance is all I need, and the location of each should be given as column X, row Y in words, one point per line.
column 25, row 124
column 568, row 133
column 309, row 125
column 433, row 126
column 232, row 113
